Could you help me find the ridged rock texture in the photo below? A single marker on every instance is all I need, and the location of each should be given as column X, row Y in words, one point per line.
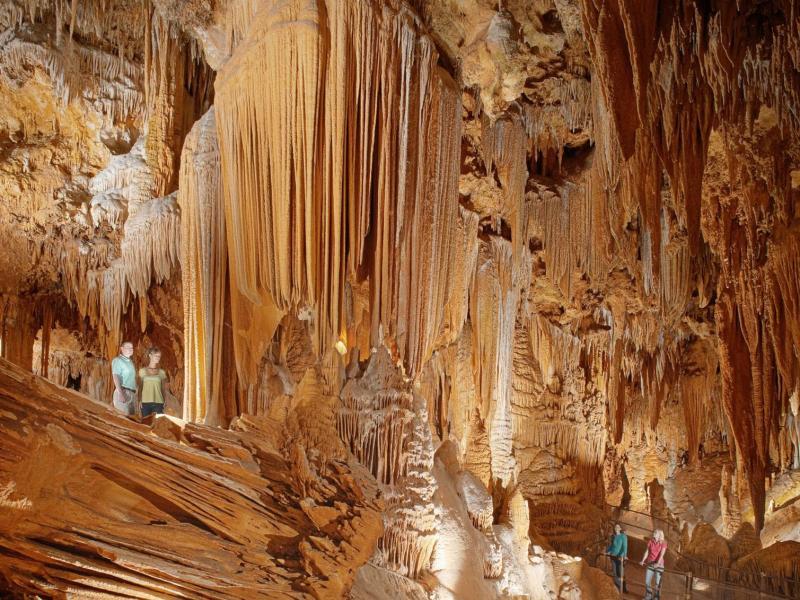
column 435, row 283
column 178, row 510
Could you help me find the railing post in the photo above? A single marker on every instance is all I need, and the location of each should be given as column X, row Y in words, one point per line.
column 689, row 585
column 761, row 585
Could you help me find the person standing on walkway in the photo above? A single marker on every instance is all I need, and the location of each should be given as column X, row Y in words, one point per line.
column 154, row 384
column 654, row 560
column 123, row 372
column 618, row 552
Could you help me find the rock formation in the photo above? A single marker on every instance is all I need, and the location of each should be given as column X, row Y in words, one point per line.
column 434, row 283
column 95, row 505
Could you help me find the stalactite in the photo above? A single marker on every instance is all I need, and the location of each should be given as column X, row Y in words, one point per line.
column 127, row 179
column 556, row 351
column 302, row 225
column 783, row 308
column 504, row 152
column 112, row 80
column 737, row 398
column 730, row 506
column 675, row 271
column 549, row 126
column 494, row 302
column 616, row 392
column 527, row 382
column 478, row 452
column 434, row 385
column 425, row 228
column 542, row 419
column 701, row 80
column 100, row 278
column 636, row 53
column 151, row 245
column 169, row 106
column 267, row 167
column 749, row 241
column 204, row 271
column 574, row 242
column 622, row 42
column 463, row 400
column 699, row 396
column 464, row 255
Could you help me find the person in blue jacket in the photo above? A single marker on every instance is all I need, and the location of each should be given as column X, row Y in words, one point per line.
column 618, row 551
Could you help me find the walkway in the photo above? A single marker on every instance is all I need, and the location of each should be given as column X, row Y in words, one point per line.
column 675, row 583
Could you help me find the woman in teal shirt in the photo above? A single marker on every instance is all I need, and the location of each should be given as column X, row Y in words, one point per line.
column 618, row 551
column 123, row 372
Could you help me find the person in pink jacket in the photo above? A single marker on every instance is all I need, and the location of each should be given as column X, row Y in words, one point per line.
column 654, row 560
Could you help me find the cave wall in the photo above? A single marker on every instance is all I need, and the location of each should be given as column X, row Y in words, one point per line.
column 558, row 237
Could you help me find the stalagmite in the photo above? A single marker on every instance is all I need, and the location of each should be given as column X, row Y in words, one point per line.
column 729, row 503
column 385, row 425
column 18, row 331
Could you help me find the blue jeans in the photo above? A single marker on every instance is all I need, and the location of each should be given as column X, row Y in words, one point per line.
column 653, row 575
column 149, row 408
column 616, row 563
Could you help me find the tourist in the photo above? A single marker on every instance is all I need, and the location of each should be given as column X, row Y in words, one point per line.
column 154, row 384
column 618, row 552
column 123, row 372
column 654, row 559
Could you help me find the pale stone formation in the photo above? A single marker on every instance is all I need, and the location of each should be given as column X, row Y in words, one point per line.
column 204, row 271
column 435, row 282
column 384, row 424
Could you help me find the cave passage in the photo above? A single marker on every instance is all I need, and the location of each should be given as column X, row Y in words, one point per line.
column 399, row 299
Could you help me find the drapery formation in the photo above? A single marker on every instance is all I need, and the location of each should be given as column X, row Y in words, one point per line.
column 204, row 268
column 341, row 175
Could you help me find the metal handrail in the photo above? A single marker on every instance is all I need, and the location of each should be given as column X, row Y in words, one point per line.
column 669, row 523
column 708, row 567
column 669, row 526
column 690, row 580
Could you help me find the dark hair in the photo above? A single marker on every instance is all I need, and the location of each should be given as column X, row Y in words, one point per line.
column 153, row 350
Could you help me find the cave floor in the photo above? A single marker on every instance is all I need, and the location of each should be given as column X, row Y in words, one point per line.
column 672, row 586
